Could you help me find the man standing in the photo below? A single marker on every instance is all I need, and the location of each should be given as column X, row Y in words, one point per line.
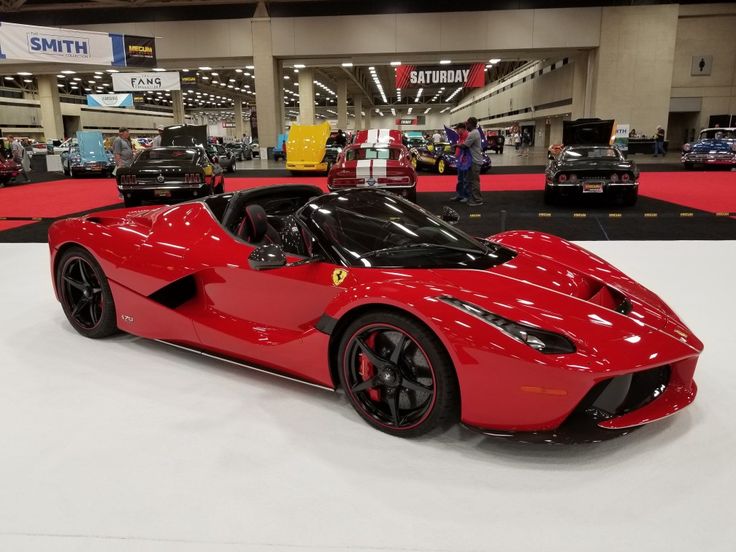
column 659, row 142
column 122, row 149
column 436, row 137
column 472, row 145
column 462, row 193
column 18, row 151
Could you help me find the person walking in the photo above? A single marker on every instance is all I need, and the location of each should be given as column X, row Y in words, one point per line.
column 436, row 137
column 526, row 141
column 462, row 193
column 122, row 149
column 517, row 140
column 472, row 144
column 156, row 142
column 17, row 151
column 659, row 141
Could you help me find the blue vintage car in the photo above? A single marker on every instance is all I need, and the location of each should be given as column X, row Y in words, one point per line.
column 440, row 157
column 87, row 155
column 715, row 146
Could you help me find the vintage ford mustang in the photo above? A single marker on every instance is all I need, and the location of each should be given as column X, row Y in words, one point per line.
column 179, row 170
column 378, row 159
column 587, row 165
column 715, row 146
column 419, row 323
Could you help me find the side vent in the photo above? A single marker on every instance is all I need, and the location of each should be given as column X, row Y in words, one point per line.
column 176, row 293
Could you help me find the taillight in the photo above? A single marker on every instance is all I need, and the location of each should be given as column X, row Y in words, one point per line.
column 127, row 179
column 625, row 177
column 347, row 181
column 573, row 178
column 562, row 178
column 192, row 178
column 614, row 177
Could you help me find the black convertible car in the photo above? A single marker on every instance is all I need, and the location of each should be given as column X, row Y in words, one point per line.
column 586, row 165
column 179, row 171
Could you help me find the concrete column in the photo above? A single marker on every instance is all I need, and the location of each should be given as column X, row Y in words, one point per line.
column 238, row 110
column 368, row 118
column 266, row 77
column 177, row 104
column 581, row 86
column 306, row 97
column 342, row 104
column 358, row 107
column 632, row 80
column 48, row 95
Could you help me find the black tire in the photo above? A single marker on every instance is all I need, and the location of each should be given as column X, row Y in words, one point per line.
column 413, row 390
column 66, row 171
column 440, row 166
column 85, row 294
column 132, row 202
column 73, row 174
column 630, row 197
column 550, row 195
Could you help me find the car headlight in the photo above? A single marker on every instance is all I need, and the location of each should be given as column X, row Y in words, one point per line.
column 686, row 148
column 536, row 338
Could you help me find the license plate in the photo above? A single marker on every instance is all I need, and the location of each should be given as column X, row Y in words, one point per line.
column 593, row 187
column 162, row 193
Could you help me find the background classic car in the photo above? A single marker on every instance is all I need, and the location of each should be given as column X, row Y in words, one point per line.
column 376, row 158
column 440, row 157
column 87, row 155
column 715, row 146
column 588, row 165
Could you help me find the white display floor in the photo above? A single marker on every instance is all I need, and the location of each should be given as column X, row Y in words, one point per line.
column 129, row 445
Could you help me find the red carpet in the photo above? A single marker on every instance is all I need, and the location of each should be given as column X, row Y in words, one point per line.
column 10, row 224
column 57, row 198
column 708, row 191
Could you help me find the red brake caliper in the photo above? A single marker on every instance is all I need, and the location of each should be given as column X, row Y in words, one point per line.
column 367, row 370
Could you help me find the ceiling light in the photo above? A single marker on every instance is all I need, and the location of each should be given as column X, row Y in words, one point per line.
column 250, row 67
column 107, row 71
column 445, row 62
column 205, row 68
column 395, row 63
column 238, row 70
column 9, row 78
column 409, row 112
column 299, row 66
column 159, row 69
column 68, row 72
column 427, row 110
column 347, row 64
column 24, row 73
column 494, row 60
column 60, row 85
column 287, row 77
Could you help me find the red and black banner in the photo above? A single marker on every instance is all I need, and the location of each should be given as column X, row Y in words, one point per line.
column 411, row 121
column 423, row 76
column 140, row 51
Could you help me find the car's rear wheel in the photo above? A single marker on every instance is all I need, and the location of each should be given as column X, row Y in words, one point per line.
column 550, row 195
column 397, row 375
column 85, row 294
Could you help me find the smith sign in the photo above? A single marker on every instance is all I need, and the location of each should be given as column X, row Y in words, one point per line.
column 58, row 45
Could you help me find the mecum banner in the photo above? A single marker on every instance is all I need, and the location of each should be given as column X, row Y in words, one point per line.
column 56, row 45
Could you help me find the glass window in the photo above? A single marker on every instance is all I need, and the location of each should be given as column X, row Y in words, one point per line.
column 159, row 154
column 718, row 134
column 591, row 153
column 359, row 154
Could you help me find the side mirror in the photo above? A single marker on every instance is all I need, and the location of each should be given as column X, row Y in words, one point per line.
column 266, row 257
column 449, row 215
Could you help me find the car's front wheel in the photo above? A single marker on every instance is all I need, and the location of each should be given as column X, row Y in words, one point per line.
column 85, row 294
column 397, row 375
column 441, row 166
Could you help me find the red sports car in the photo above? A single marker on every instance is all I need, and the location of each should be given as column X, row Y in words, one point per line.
column 9, row 170
column 376, row 159
column 419, row 323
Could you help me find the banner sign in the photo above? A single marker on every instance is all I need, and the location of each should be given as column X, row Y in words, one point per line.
column 140, row 51
column 136, row 82
column 468, row 76
column 227, row 124
column 110, row 100
column 411, row 121
column 52, row 44
column 622, row 137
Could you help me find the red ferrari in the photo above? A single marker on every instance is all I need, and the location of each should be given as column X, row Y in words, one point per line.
column 419, row 323
column 375, row 159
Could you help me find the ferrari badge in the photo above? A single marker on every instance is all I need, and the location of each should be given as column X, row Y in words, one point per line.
column 339, row 275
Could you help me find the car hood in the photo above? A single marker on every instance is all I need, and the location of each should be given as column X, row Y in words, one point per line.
column 91, row 147
column 307, row 143
column 589, row 132
column 184, row 135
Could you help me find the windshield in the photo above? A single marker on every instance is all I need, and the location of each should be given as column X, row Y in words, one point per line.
column 165, row 154
column 718, row 134
column 572, row 154
column 354, row 154
column 369, row 228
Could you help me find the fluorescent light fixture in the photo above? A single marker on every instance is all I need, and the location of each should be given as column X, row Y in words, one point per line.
column 494, row 60
column 109, row 71
column 68, row 72
column 299, row 66
column 395, row 63
column 250, row 66
column 159, row 69
column 238, row 70
column 445, row 62
column 410, row 110
column 427, row 110
column 347, row 64
column 24, row 73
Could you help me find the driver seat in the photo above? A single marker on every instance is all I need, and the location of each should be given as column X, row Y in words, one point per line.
column 255, row 229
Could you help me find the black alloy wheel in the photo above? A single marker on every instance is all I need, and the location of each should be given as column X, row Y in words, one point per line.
column 397, row 374
column 85, row 294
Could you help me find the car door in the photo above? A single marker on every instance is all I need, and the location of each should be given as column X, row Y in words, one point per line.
column 267, row 317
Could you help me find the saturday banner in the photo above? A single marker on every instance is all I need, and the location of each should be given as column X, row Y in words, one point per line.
column 137, row 82
column 110, row 100
column 467, row 76
column 56, row 45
